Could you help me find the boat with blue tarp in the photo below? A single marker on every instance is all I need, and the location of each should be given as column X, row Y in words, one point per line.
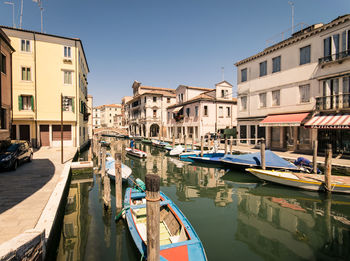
column 185, row 156
column 209, row 158
column 272, row 161
column 178, row 239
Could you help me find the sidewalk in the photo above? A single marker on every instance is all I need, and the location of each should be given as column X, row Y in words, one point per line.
column 24, row 193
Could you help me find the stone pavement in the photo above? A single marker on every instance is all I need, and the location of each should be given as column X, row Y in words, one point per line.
column 25, row 192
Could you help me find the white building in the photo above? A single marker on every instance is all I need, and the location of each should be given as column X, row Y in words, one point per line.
column 107, row 114
column 199, row 111
column 96, row 117
column 281, row 88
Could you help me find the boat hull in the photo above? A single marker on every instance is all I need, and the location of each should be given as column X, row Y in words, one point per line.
column 136, row 153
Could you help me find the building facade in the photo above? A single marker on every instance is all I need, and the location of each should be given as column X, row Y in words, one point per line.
column 279, row 88
column 6, row 51
column 147, row 110
column 96, row 115
column 91, row 116
column 44, row 68
column 107, row 114
column 200, row 111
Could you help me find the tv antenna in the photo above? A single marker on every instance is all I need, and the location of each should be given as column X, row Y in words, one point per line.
column 41, row 13
column 292, row 6
column 13, row 12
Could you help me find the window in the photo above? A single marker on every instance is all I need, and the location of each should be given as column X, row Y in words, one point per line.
column 25, row 45
column 243, row 103
column 222, row 93
column 68, row 104
column 276, row 64
column 221, row 112
column 263, row 68
column 276, row 98
column 262, row 99
column 305, row 54
column 345, row 43
column 3, row 64
column 304, row 91
column 228, row 110
column 154, row 113
column 25, row 102
column 205, row 110
column 188, row 112
column 154, row 99
column 244, row 75
column 168, row 115
column 67, row 52
column 168, row 100
column 26, row 75
column 67, row 77
column 196, row 111
column 145, row 99
column 2, row 118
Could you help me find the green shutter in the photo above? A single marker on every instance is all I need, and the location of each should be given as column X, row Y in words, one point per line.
column 32, row 102
column 73, row 103
column 20, row 106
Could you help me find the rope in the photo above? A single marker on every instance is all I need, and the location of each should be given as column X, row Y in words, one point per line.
column 136, row 184
column 121, row 212
column 153, row 199
column 142, row 256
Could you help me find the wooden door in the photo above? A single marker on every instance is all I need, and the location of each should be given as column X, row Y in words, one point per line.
column 24, row 132
column 44, row 135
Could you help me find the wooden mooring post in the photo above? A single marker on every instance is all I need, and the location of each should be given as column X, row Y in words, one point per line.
column 99, row 154
column 103, row 163
column 118, row 182
column 153, row 216
column 231, row 145
column 314, row 157
column 225, row 145
column 106, row 192
column 185, row 143
column 192, row 141
column 262, row 153
column 173, row 141
column 202, row 141
column 328, row 168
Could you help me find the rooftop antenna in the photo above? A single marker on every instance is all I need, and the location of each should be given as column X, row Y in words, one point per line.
column 13, row 13
column 292, row 6
column 20, row 19
column 223, row 73
column 41, row 13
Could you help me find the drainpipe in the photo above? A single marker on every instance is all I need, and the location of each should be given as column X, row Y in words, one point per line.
column 77, row 102
column 36, row 100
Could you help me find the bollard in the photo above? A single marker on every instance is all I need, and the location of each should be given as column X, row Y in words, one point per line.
column 173, row 141
column 153, row 216
column 185, row 143
column 201, row 146
column 328, row 168
column 103, row 163
column 118, row 182
column 231, row 145
column 314, row 158
column 262, row 153
column 192, row 142
column 225, row 145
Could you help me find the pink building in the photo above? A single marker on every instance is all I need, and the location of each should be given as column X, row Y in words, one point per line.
column 199, row 111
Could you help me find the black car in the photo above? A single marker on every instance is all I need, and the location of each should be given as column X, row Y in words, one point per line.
column 15, row 154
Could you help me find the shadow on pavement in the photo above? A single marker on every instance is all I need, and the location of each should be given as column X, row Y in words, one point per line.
column 16, row 186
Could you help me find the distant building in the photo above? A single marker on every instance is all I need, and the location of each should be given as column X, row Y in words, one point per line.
column 6, row 51
column 96, row 115
column 44, row 67
column 147, row 110
column 125, row 100
column 90, row 112
column 199, row 111
column 107, row 113
column 303, row 77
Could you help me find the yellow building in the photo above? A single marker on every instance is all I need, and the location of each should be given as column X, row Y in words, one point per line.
column 44, row 67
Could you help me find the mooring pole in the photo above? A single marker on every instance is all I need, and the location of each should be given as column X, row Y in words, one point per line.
column 185, row 143
column 103, row 163
column 328, row 171
column 262, row 153
column 192, row 141
column 173, row 141
column 118, row 181
column 202, row 140
column 231, row 145
column 314, row 158
column 106, row 192
column 153, row 216
column 225, row 145
column 99, row 154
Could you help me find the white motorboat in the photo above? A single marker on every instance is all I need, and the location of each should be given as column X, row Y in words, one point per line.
column 136, row 153
column 110, row 169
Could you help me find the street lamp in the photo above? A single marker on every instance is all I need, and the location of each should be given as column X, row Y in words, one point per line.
column 13, row 13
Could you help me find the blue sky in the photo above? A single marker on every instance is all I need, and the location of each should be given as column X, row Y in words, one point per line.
column 166, row 43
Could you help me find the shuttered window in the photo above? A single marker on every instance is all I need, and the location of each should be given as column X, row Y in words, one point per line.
column 26, row 102
column 56, row 132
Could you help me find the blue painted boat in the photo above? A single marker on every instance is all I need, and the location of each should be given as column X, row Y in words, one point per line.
column 178, row 240
column 272, row 161
column 185, row 156
column 110, row 169
column 209, row 158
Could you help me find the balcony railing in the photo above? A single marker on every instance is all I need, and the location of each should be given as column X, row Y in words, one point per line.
column 334, row 57
column 333, row 102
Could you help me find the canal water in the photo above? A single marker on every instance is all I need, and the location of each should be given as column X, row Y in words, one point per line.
column 236, row 216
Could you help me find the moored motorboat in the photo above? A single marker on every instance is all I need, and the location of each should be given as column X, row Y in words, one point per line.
column 340, row 184
column 155, row 142
column 209, row 158
column 136, row 153
column 185, row 156
column 178, row 239
column 137, row 137
column 110, row 169
column 147, row 141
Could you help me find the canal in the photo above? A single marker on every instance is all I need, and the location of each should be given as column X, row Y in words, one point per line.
column 236, row 216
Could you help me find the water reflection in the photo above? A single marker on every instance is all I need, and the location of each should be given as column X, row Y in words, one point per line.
column 235, row 215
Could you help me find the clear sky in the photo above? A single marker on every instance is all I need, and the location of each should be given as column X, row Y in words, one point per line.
column 165, row 43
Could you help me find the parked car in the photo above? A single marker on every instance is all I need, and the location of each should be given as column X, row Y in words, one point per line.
column 18, row 152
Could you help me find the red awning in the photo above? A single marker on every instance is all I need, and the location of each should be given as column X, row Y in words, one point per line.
column 330, row 121
column 294, row 119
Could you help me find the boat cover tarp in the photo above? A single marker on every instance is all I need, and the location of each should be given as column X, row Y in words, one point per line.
column 272, row 160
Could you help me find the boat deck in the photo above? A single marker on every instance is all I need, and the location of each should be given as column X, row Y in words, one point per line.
column 341, row 180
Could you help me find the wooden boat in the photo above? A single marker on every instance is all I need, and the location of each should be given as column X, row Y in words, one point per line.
column 136, row 153
column 185, row 156
column 178, row 239
column 155, row 142
column 147, row 141
column 110, row 169
column 137, row 138
column 209, row 158
column 340, row 184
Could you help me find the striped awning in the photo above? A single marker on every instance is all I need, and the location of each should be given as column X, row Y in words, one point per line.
column 290, row 119
column 330, row 121
column 176, row 110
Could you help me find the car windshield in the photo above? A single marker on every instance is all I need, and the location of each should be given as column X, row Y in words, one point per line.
column 13, row 147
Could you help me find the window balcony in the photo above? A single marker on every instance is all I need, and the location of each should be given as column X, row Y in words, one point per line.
column 337, row 57
column 333, row 102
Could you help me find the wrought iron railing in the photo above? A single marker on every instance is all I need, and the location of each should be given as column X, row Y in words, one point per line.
column 333, row 102
column 334, row 57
